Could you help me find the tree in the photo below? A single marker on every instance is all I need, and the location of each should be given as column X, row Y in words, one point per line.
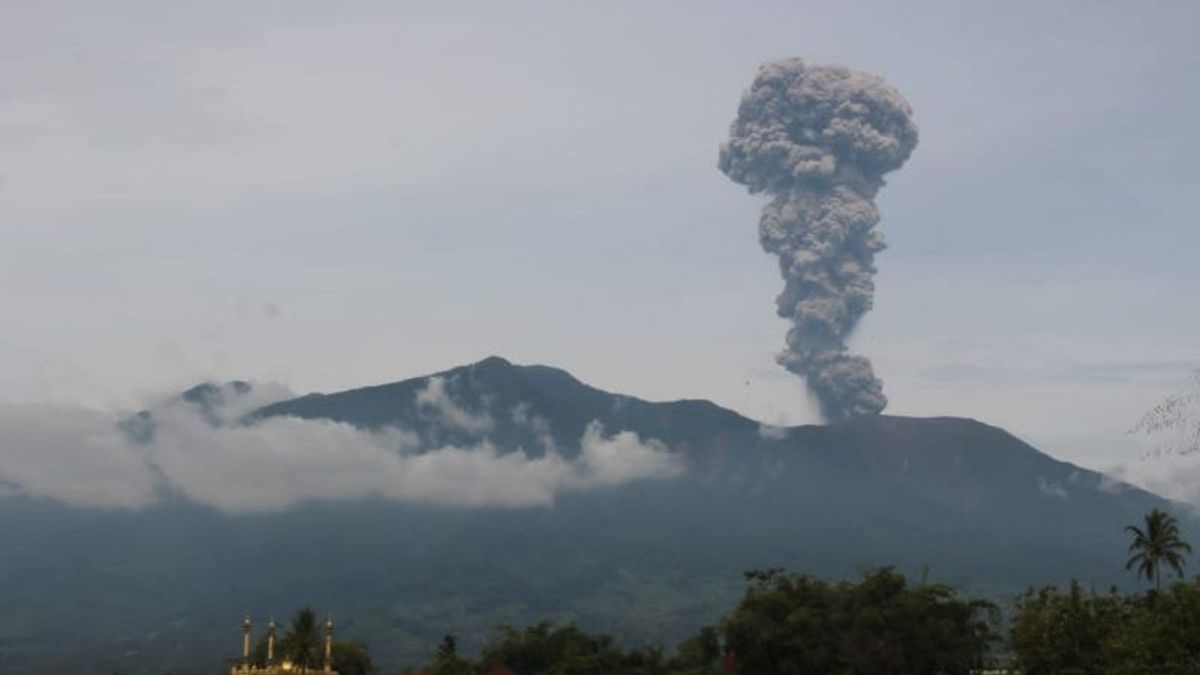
column 448, row 647
column 1156, row 544
column 1059, row 632
column 547, row 649
column 301, row 644
column 792, row 624
column 699, row 655
column 447, row 661
column 1159, row 634
column 351, row 658
column 1063, row 633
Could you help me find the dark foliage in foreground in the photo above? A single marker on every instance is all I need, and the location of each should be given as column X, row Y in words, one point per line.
column 796, row 624
column 1071, row 632
column 793, row 624
column 302, row 645
column 785, row 624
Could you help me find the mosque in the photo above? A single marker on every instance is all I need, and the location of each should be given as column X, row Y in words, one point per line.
column 281, row 666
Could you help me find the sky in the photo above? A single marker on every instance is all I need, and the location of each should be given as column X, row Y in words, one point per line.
column 330, row 195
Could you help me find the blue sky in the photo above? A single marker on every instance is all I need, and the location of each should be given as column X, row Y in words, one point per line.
column 335, row 196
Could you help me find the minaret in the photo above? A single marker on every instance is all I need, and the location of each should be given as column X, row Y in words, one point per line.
column 271, row 642
column 246, row 626
column 328, row 643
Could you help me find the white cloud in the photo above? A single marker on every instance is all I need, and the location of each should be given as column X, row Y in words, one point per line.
column 81, row 457
column 522, row 415
column 770, row 432
column 435, row 398
column 1051, row 489
column 72, row 454
column 1111, row 482
column 623, row 457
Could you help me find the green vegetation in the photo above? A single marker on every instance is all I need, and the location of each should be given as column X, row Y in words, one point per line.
column 795, row 624
column 1076, row 633
column 1155, row 543
column 303, row 645
column 790, row 624
column 1064, row 632
column 785, row 624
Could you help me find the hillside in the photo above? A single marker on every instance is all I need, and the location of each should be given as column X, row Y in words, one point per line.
column 654, row 558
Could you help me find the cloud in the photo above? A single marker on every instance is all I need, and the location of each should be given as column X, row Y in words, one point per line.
column 770, row 432
column 523, row 416
column 83, row 457
column 1112, row 483
column 622, row 457
column 1174, row 476
column 436, row 399
column 72, row 454
column 1051, row 489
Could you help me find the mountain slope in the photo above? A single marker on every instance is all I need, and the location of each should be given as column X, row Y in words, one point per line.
column 499, row 389
column 646, row 559
column 987, row 487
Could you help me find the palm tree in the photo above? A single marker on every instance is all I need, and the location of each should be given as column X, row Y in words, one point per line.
column 1156, row 544
column 302, row 643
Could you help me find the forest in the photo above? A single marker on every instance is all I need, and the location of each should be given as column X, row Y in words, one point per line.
column 789, row 623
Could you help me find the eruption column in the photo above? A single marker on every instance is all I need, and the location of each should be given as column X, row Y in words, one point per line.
column 818, row 140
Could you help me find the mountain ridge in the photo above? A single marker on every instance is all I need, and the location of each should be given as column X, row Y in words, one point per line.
column 881, row 431
column 656, row 557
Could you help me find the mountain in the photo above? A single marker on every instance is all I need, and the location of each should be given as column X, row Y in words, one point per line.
column 644, row 557
column 970, row 499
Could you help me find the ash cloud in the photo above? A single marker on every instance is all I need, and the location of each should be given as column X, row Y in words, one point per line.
column 818, row 140
column 200, row 449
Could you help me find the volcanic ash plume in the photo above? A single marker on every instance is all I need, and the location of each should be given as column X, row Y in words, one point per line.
column 818, row 140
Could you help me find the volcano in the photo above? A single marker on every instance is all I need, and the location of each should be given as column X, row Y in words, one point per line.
column 953, row 499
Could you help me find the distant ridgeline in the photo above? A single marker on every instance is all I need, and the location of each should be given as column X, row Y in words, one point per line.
column 631, row 517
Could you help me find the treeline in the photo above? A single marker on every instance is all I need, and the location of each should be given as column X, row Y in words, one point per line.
column 792, row 624
column 784, row 624
column 1084, row 633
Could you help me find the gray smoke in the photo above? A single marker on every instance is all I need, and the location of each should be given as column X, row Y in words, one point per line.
column 818, row 140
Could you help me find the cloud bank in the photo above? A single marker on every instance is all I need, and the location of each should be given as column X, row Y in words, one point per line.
column 199, row 450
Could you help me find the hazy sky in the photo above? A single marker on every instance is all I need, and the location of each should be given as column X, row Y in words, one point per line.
column 329, row 196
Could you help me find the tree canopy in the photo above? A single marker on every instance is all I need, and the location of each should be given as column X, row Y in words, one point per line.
column 1157, row 543
column 794, row 624
column 784, row 624
column 1071, row 632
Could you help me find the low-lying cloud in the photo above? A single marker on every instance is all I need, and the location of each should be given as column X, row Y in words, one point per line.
column 83, row 457
column 435, row 399
column 72, row 454
column 1052, row 489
